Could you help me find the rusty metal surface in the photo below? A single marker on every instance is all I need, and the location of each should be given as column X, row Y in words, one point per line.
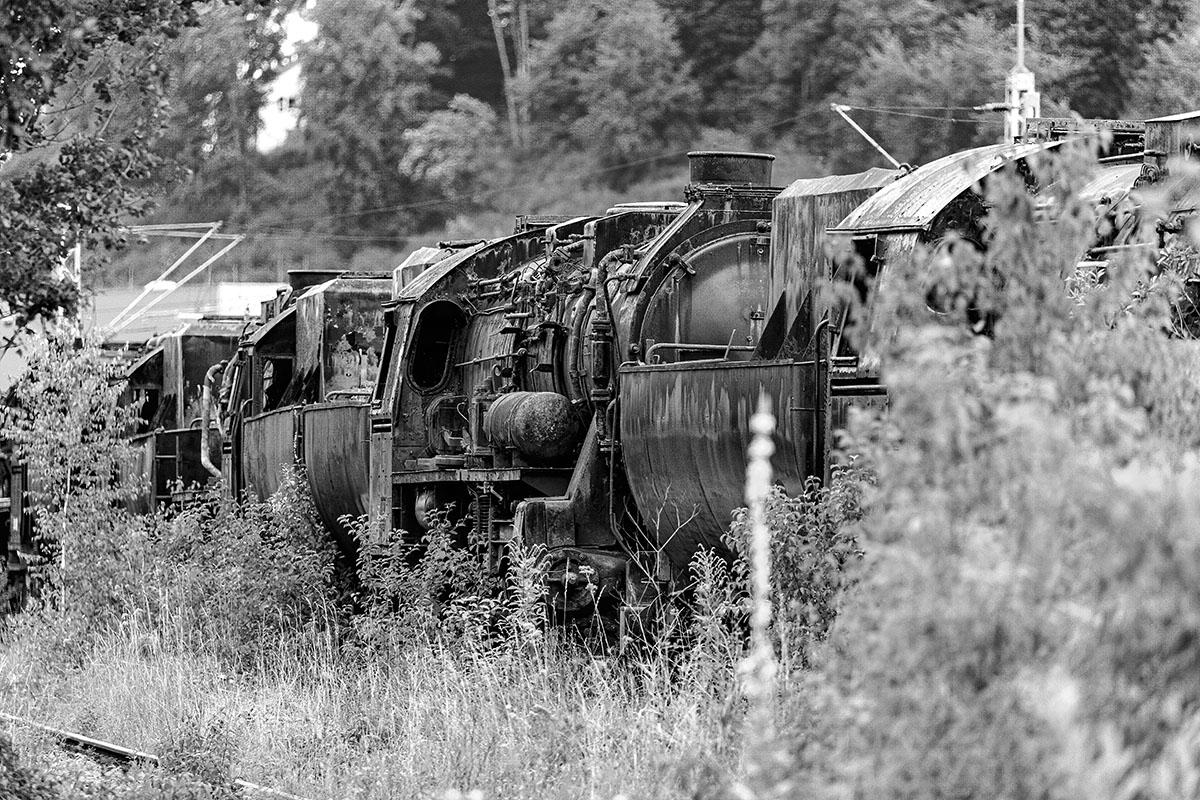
column 717, row 166
column 718, row 295
column 269, row 445
column 799, row 245
column 1180, row 190
column 543, row 426
column 1173, row 136
column 148, row 367
column 141, row 465
column 339, row 336
column 684, row 433
column 200, row 352
column 274, row 329
column 913, row 202
column 186, row 356
column 169, row 461
column 337, row 456
column 873, row 178
column 1110, row 183
column 415, row 263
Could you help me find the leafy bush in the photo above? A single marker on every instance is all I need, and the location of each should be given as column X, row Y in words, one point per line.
column 221, row 575
column 1024, row 620
column 439, row 587
column 230, row 576
column 813, row 543
column 64, row 420
column 19, row 782
column 813, row 551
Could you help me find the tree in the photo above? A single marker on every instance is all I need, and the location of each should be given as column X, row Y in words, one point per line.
column 81, row 103
column 1167, row 83
column 220, row 72
column 462, row 32
column 64, row 421
column 610, row 78
column 939, row 82
column 513, row 17
column 366, row 80
column 454, row 149
column 807, row 57
column 714, row 34
column 1107, row 40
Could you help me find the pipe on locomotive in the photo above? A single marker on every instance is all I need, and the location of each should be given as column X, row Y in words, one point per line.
column 206, row 408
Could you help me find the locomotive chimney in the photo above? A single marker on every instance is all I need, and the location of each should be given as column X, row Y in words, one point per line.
column 735, row 169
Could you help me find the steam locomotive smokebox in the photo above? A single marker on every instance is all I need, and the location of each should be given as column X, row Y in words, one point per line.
column 542, row 426
column 736, row 169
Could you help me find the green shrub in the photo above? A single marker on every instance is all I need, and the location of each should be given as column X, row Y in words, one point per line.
column 19, row 782
column 233, row 577
column 1027, row 611
column 440, row 587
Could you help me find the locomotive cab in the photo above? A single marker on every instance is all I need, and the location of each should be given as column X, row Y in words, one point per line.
column 168, row 385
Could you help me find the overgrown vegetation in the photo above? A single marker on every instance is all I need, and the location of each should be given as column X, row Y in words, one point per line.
column 997, row 596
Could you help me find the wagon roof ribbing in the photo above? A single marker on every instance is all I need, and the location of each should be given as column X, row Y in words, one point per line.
column 913, row 202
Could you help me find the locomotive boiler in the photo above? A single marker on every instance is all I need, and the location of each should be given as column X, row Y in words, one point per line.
column 585, row 385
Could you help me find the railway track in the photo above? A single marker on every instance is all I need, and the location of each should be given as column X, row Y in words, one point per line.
column 109, row 753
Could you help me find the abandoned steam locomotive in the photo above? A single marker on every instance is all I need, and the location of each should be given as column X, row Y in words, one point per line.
column 586, row 383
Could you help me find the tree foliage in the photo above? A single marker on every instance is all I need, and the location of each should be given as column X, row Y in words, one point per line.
column 1167, row 84
column 64, row 422
column 926, row 77
column 713, row 35
column 384, row 147
column 1020, row 624
column 366, row 81
column 452, row 151
column 219, row 74
column 610, row 76
column 82, row 98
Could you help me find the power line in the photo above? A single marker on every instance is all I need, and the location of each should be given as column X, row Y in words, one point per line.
column 918, row 108
column 278, row 231
column 512, row 187
column 262, row 234
column 896, row 113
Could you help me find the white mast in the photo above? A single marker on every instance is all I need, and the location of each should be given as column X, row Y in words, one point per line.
column 1021, row 98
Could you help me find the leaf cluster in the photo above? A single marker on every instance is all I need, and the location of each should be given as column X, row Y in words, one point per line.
column 440, row 588
column 1020, row 623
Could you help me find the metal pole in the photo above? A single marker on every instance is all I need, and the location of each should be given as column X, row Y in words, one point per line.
column 1021, row 34
column 181, row 282
column 840, row 109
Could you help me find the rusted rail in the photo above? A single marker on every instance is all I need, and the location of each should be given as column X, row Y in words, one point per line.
column 99, row 750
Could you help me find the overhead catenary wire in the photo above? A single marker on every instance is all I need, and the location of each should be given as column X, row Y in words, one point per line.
column 130, row 319
column 281, row 235
column 896, row 112
column 280, row 231
column 212, row 229
column 504, row 189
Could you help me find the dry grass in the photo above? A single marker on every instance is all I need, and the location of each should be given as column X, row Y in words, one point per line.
column 545, row 722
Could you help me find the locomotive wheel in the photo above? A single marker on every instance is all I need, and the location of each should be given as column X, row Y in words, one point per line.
column 581, row 583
